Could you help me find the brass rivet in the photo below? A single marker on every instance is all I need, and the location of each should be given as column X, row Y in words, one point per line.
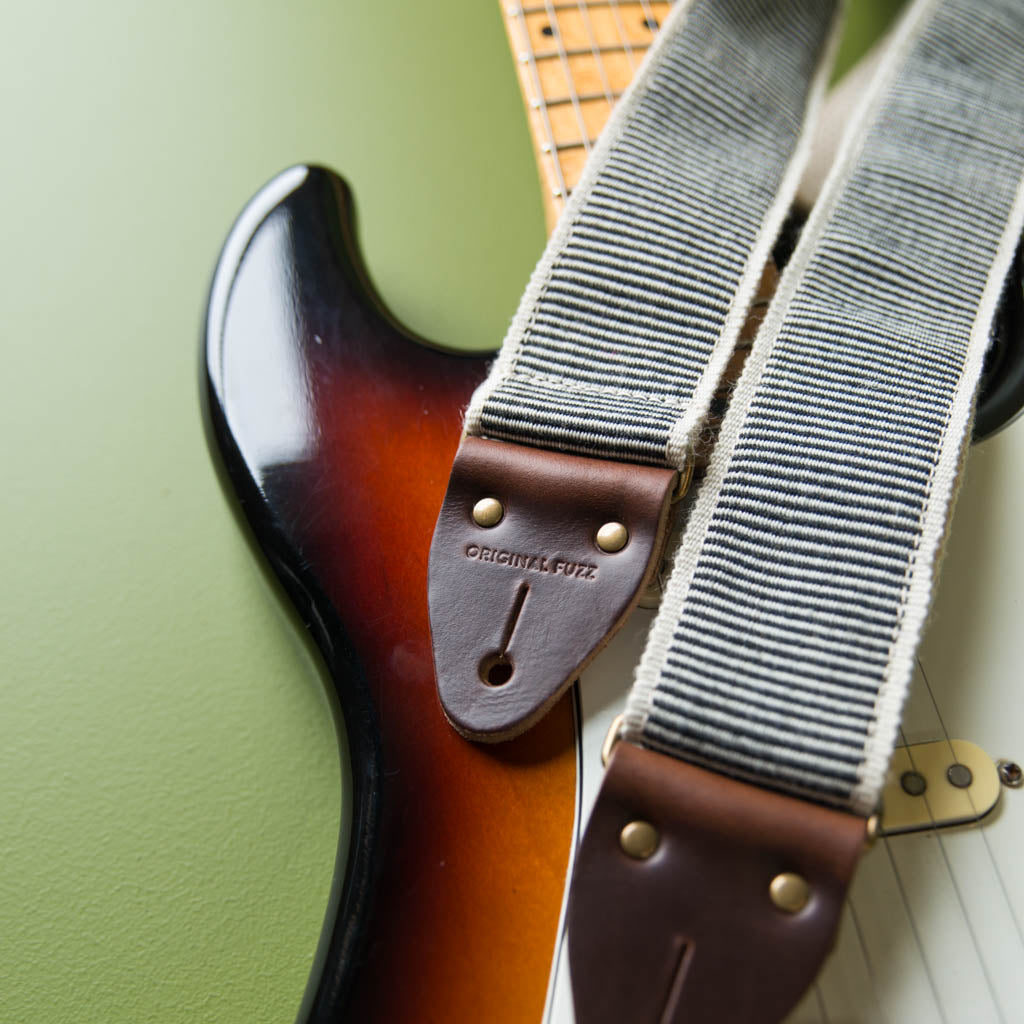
column 872, row 830
column 789, row 892
column 612, row 537
column 639, row 839
column 683, row 482
column 488, row 512
column 612, row 737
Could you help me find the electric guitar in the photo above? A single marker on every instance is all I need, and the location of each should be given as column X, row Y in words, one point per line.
column 335, row 429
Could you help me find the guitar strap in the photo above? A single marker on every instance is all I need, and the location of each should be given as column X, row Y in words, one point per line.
column 783, row 649
column 616, row 352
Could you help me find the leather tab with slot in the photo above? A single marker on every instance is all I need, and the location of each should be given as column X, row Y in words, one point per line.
column 523, row 596
column 689, row 933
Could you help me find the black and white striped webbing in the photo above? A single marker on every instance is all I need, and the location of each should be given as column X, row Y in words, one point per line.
column 627, row 323
column 784, row 647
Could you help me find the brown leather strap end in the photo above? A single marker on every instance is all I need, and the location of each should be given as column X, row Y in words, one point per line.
column 696, row 898
column 524, row 586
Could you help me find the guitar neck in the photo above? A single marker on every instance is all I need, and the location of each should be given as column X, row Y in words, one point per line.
column 575, row 59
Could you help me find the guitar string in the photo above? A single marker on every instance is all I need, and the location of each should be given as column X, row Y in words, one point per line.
column 650, row 20
column 822, row 1012
column 594, row 49
column 976, row 823
column 975, row 826
column 867, row 959
column 539, row 104
column 627, row 49
column 936, row 834
column 564, row 58
column 862, row 943
column 913, row 927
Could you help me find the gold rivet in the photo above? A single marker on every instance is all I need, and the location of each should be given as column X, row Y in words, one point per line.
column 872, row 830
column 611, row 737
column 683, row 481
column 612, row 537
column 789, row 892
column 639, row 839
column 488, row 512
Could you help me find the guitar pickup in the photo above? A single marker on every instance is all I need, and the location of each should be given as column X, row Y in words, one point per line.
column 938, row 785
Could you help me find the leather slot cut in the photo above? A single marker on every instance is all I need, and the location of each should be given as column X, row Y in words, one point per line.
column 513, row 615
column 496, row 669
column 675, row 991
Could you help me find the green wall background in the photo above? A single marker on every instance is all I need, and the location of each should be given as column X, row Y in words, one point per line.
column 169, row 773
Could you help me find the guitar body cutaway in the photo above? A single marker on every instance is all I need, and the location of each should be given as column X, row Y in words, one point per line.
column 335, row 430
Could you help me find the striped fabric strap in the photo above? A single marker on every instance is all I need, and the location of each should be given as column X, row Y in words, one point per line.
column 631, row 315
column 784, row 646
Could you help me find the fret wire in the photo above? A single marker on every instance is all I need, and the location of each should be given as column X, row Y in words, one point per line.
column 542, row 8
column 617, row 15
column 564, row 58
column 582, row 51
column 585, row 15
column 583, row 97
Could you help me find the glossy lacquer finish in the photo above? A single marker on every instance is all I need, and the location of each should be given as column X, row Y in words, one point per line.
column 336, row 431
